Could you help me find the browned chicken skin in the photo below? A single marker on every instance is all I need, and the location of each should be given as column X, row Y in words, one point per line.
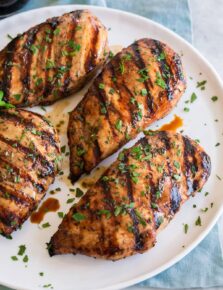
column 29, row 159
column 52, row 59
column 140, row 85
column 140, row 193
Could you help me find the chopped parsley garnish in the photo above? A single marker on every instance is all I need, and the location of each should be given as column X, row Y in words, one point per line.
column 38, row 81
column 201, row 84
column 161, row 56
column 160, row 168
column 204, row 209
column 70, row 200
column 160, row 81
column 73, row 45
column 41, row 274
column 26, row 259
column 118, row 125
column 103, row 110
column 121, row 67
column 140, row 218
column 144, row 92
column 186, row 109
column 130, row 228
column 176, row 164
column 101, row 86
column 63, row 149
column 60, row 214
column 17, row 97
column 154, row 205
column 14, row 258
column 193, row 98
column 56, row 31
column 143, row 75
column 218, row 177
column 158, row 194
column 78, row 217
column 50, row 64
column 198, row 221
column 217, row 144
column 79, row 192
column 80, row 151
column 3, row 103
column 121, row 156
column 105, row 178
column 22, row 250
column 118, row 210
column 46, row 225
column 34, row 48
column 176, row 176
column 186, row 227
column 214, row 98
column 111, row 91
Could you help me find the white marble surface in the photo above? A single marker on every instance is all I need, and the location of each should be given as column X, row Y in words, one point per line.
column 207, row 26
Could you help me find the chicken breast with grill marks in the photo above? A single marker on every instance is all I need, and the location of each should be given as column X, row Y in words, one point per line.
column 140, row 85
column 53, row 59
column 134, row 199
column 29, row 161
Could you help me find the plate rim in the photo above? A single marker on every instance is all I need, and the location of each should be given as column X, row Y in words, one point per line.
column 217, row 214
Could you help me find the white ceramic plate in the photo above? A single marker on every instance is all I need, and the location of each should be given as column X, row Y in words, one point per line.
column 80, row 272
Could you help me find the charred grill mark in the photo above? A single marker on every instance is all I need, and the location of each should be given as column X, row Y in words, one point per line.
column 144, row 143
column 132, row 107
column 141, row 65
column 40, row 117
column 83, row 120
column 110, row 204
column 40, row 188
column 205, row 164
column 178, row 65
column 164, row 67
column 76, row 15
column 17, row 196
column 175, row 196
column 102, row 99
column 187, row 168
column 48, row 167
column 48, row 84
column 9, row 218
column 119, row 89
column 190, row 168
column 29, row 125
column 175, row 199
column 165, row 139
column 139, row 243
column 90, row 59
column 7, row 67
column 27, row 58
column 97, row 152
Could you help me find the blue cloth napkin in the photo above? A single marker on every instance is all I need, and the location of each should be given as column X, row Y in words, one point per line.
column 203, row 267
column 174, row 14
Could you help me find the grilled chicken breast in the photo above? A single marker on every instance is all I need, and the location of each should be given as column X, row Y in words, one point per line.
column 29, row 160
column 52, row 59
column 140, row 193
column 140, row 85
